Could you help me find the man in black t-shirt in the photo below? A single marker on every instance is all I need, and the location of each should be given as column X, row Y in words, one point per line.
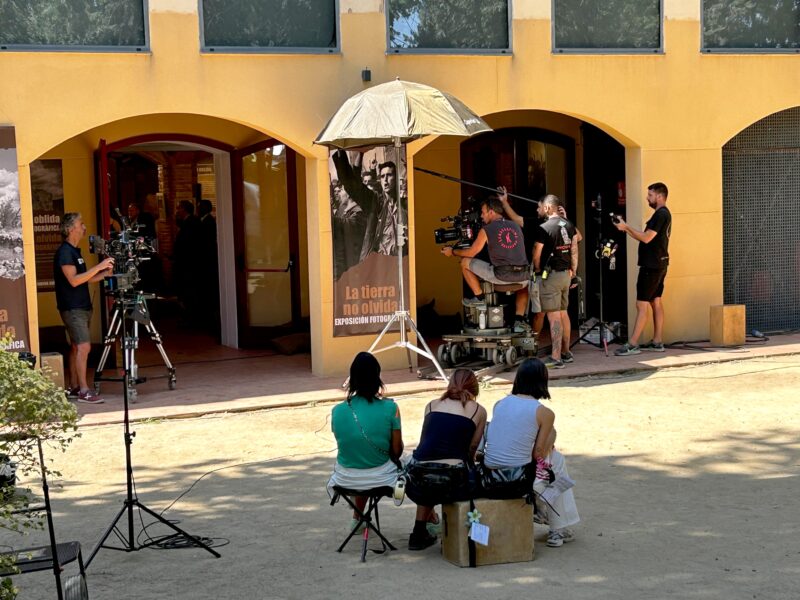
column 653, row 263
column 555, row 256
column 533, row 233
column 509, row 262
column 72, row 280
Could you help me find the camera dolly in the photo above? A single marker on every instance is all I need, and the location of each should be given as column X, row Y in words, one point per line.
column 486, row 343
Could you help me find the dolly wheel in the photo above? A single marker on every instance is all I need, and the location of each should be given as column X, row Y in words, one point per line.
column 443, row 354
column 511, row 356
column 456, row 354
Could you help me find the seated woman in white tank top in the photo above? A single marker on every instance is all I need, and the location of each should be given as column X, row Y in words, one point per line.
column 520, row 432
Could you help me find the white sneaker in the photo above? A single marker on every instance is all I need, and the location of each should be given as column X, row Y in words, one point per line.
column 558, row 537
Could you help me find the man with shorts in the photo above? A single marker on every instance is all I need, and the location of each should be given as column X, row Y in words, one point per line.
column 509, row 263
column 653, row 263
column 555, row 260
column 538, row 235
column 72, row 280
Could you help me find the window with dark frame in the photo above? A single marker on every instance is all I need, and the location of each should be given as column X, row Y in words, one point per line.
column 751, row 25
column 458, row 26
column 264, row 25
column 103, row 24
column 607, row 25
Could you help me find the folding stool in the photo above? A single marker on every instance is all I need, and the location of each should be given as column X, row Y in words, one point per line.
column 374, row 496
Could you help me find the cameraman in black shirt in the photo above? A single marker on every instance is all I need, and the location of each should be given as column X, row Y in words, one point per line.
column 653, row 263
column 72, row 279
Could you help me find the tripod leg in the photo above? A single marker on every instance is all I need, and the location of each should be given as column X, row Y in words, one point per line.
column 177, row 529
column 382, row 333
column 422, row 341
column 107, row 533
column 108, row 342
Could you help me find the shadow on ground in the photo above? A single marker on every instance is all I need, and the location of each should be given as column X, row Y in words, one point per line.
column 723, row 524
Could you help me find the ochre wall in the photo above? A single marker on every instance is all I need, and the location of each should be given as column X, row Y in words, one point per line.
column 672, row 111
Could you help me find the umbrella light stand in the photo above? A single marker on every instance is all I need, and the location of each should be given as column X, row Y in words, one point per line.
column 402, row 316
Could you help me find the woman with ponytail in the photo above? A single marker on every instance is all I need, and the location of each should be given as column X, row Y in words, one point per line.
column 441, row 469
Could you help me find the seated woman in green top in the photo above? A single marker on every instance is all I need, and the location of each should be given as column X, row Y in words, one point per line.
column 367, row 431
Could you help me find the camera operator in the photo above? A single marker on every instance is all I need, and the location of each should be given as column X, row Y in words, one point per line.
column 653, row 262
column 555, row 256
column 72, row 280
column 509, row 263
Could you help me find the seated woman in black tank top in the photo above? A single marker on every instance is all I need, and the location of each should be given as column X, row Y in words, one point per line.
column 438, row 472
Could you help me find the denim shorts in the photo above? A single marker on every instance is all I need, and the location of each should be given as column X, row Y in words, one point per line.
column 77, row 322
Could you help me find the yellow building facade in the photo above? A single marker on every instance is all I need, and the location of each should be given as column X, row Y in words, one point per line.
column 672, row 111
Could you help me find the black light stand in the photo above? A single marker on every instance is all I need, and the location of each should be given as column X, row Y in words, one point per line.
column 601, row 326
column 132, row 501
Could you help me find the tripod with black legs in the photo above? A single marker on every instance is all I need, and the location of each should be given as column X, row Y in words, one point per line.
column 605, row 251
column 128, row 540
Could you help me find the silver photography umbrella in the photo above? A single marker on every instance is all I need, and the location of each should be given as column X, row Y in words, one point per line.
column 396, row 113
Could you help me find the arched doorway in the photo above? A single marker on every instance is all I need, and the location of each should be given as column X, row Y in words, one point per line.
column 761, row 237
column 531, row 153
column 239, row 281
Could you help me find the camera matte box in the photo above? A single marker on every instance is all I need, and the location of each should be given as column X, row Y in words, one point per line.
column 510, row 525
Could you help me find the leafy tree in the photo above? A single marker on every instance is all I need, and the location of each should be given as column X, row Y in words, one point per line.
column 72, row 22
column 457, row 24
column 751, row 24
column 31, row 408
column 613, row 24
column 270, row 23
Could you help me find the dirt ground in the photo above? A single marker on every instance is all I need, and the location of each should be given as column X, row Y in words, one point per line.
column 687, row 485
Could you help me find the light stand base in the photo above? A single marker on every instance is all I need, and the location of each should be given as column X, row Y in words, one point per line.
column 406, row 322
column 129, row 545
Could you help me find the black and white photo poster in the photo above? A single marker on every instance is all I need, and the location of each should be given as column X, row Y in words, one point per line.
column 365, row 209
column 13, row 297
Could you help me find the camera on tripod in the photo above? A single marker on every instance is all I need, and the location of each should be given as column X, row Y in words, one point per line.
column 465, row 226
column 128, row 249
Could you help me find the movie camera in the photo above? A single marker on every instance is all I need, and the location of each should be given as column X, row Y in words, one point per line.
column 129, row 250
column 465, row 226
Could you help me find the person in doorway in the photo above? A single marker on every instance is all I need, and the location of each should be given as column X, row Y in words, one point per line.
column 452, row 428
column 209, row 280
column 72, row 279
column 509, row 264
column 368, row 433
column 521, row 432
column 653, row 262
column 555, row 260
column 143, row 222
column 186, row 259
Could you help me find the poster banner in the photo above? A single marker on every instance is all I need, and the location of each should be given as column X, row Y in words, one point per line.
column 13, row 298
column 364, row 213
column 47, row 189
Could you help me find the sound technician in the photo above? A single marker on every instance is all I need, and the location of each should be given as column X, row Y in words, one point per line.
column 556, row 258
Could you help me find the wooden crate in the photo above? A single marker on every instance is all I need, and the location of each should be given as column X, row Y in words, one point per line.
column 510, row 525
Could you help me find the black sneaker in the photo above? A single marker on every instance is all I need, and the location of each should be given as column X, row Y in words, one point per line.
column 421, row 541
column 652, row 347
column 626, row 350
column 552, row 363
column 567, row 357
